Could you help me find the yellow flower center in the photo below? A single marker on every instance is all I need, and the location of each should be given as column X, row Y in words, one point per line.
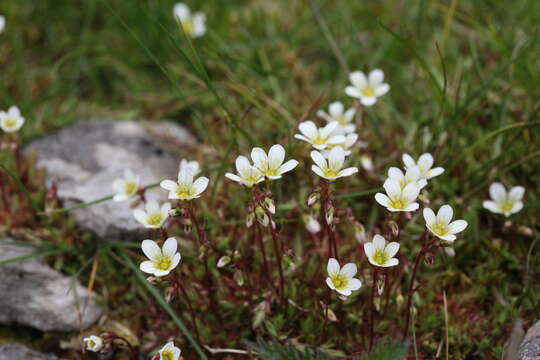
column 167, row 355
column 398, row 204
column 155, row 219
column 272, row 172
column 340, row 281
column 440, row 229
column 368, row 91
column 188, row 27
column 380, row 257
column 319, row 141
column 330, row 173
column 184, row 192
column 10, row 122
column 130, row 187
column 163, row 263
column 507, row 205
column 341, row 120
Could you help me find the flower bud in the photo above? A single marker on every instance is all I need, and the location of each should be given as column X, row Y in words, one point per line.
column 394, row 228
column 269, row 205
column 94, row 343
column 223, row 261
column 313, row 198
column 174, row 212
column 359, row 232
column 238, row 277
column 312, row 225
column 262, row 217
column 329, row 215
column 366, row 163
column 249, row 219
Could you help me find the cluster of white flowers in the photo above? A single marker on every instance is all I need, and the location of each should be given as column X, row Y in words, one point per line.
column 269, row 166
column 193, row 24
column 167, row 352
column 11, row 120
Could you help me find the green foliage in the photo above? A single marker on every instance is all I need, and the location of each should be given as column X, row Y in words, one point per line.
column 388, row 350
column 274, row 350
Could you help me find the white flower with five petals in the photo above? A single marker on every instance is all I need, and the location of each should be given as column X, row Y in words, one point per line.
column 337, row 114
column 272, row 165
column 161, row 260
column 441, row 225
column 248, row 174
column 331, row 168
column 319, row 138
column 412, row 174
column 169, row 352
column 185, row 188
column 127, row 187
column 11, row 121
column 425, row 164
column 154, row 216
column 369, row 88
column 341, row 279
column 94, row 343
column 398, row 199
column 380, row 253
column 503, row 202
column 193, row 25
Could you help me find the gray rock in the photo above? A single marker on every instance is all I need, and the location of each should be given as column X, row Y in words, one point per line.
column 530, row 347
column 85, row 158
column 17, row 351
column 35, row 295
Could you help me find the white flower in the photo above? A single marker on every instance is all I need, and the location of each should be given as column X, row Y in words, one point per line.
column 193, row 25
column 154, row 216
column 350, row 140
column 380, row 253
column 2, row 23
column 162, row 261
column 336, row 114
column 398, row 199
column 320, row 138
column 169, row 352
column 331, row 169
column 127, row 187
column 425, row 162
column 271, row 165
column 342, row 279
column 11, row 121
column 503, row 202
column 441, row 225
column 248, row 174
column 192, row 166
column 411, row 175
column 94, row 343
column 367, row 89
column 312, row 225
column 185, row 188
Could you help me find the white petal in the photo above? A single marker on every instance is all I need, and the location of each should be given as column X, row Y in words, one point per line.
column 175, row 260
column 151, row 249
column 354, row 284
column 358, row 79
column 165, row 208
column 349, row 270
column 242, row 165
column 435, row 172
column 391, row 262
column 353, row 92
column 492, row 206
column 447, row 237
column 395, row 173
column 301, row 137
column 335, row 109
column 328, row 129
column 259, row 158
column 348, row 172
column 517, row 207
column 382, row 199
column 276, row 155
column 375, row 77
column 288, row 166
column 408, row 160
column 497, row 192
column 332, row 267
column 318, row 159
column 148, row 267
column 368, row 101
column 152, row 206
column 410, row 192
column 317, row 170
column 392, row 249
column 425, row 161
column 324, row 115
column 516, row 193
column 200, row 185
column 349, row 114
column 181, row 11
column 412, row 207
column 336, row 158
column 345, row 292
column 392, row 188
column 118, row 185
column 382, row 89
column 169, row 185
column 140, row 216
column 378, row 242
column 120, row 197
column 170, row 246
column 185, row 178
column 199, row 24
column 308, row 129
column 233, row 177
column 336, row 139
column 445, row 214
column 330, row 284
column 429, row 216
column 369, row 250
column 457, row 226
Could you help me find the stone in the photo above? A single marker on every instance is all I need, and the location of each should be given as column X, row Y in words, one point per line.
column 530, row 347
column 17, row 351
column 85, row 158
column 35, row 295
